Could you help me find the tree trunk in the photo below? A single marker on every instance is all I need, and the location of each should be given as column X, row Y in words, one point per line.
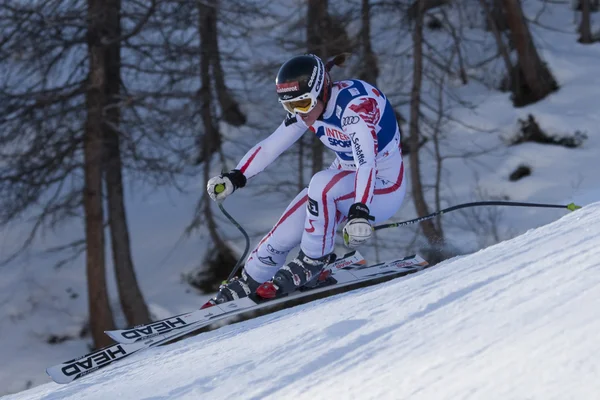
column 434, row 237
column 101, row 318
column 585, row 28
column 537, row 77
column 210, row 142
column 496, row 18
column 132, row 302
column 512, row 73
column 370, row 70
column 230, row 109
column 315, row 32
column 209, row 125
column 219, row 260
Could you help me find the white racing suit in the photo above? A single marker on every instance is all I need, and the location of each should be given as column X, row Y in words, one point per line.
column 359, row 124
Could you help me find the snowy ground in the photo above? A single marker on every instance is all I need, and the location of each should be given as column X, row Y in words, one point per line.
column 37, row 301
column 517, row 320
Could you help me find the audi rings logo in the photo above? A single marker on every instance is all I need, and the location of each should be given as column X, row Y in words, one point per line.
column 350, row 120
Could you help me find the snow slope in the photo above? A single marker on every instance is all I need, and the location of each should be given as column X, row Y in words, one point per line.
column 517, row 320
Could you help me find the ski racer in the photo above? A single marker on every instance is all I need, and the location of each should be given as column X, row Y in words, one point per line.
column 364, row 185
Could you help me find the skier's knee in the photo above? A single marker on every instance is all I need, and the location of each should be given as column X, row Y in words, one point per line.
column 319, row 181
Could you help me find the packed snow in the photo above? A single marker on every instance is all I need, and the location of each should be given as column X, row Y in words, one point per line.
column 517, row 320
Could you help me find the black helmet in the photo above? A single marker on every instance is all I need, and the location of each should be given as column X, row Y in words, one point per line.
column 301, row 81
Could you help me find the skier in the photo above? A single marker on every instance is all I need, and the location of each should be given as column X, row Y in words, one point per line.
column 365, row 184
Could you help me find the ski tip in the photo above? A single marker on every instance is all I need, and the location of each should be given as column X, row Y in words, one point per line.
column 573, row 207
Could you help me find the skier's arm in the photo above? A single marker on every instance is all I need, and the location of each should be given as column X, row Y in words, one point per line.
column 257, row 159
column 266, row 151
column 358, row 126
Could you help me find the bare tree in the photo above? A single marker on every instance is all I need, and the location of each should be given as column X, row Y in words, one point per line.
column 50, row 88
column 495, row 16
column 492, row 16
column 585, row 26
column 326, row 36
column 221, row 258
column 369, row 68
column 538, row 81
column 131, row 298
column 431, row 232
column 316, row 26
column 99, row 14
column 210, row 141
column 230, row 110
column 64, row 109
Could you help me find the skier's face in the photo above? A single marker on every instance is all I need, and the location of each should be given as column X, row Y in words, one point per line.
column 310, row 117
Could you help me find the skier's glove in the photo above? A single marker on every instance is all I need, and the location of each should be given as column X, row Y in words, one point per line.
column 358, row 229
column 223, row 185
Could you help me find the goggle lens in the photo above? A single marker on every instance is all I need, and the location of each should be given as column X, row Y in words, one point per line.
column 302, row 106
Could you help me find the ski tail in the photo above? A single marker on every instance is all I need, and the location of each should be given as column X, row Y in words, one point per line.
column 78, row 367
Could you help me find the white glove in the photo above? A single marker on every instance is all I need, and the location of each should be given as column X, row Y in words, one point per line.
column 219, row 187
column 223, row 185
column 357, row 232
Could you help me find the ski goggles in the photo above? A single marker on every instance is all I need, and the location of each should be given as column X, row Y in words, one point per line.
column 301, row 104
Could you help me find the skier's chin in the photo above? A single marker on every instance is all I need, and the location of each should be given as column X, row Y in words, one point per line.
column 308, row 119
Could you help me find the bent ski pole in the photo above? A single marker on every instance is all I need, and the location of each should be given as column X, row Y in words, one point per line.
column 218, row 189
column 570, row 207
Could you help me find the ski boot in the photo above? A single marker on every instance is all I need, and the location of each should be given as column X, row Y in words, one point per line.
column 300, row 271
column 234, row 289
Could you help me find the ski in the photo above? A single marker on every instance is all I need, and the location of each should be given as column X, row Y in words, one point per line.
column 141, row 332
column 160, row 332
column 350, row 270
column 76, row 368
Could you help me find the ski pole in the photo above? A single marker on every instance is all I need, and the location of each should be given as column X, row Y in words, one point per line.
column 218, row 189
column 570, row 207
